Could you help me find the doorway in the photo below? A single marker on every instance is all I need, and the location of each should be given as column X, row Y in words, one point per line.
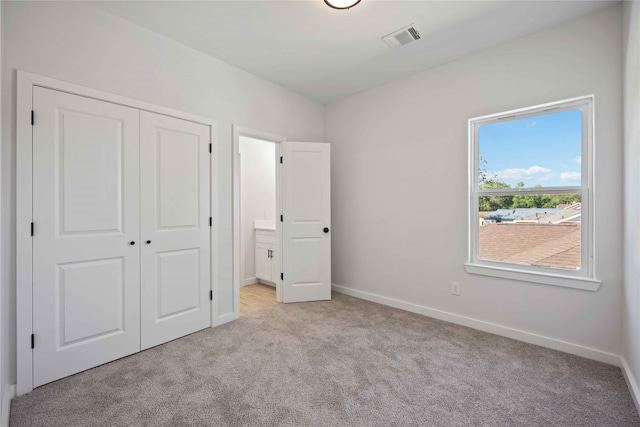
column 259, row 249
column 256, row 207
column 299, row 258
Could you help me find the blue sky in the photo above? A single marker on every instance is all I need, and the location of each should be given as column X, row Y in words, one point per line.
column 543, row 150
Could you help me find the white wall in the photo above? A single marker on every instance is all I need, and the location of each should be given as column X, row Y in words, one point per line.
column 258, row 197
column 86, row 46
column 632, row 190
column 399, row 168
column 4, row 323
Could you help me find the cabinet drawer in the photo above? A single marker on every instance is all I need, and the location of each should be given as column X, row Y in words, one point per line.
column 265, row 236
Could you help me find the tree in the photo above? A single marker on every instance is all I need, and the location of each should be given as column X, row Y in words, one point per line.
column 565, row 199
column 523, row 201
column 492, row 203
column 489, row 180
column 542, row 200
column 483, row 176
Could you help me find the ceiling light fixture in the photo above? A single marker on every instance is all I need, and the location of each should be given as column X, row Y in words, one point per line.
column 341, row 4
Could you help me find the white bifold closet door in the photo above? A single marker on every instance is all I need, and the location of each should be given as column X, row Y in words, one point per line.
column 175, row 228
column 121, row 245
column 86, row 272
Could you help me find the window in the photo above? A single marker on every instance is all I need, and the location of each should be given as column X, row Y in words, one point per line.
column 531, row 192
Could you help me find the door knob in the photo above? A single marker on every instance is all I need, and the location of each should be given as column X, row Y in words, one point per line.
column 148, row 242
column 132, row 243
column 326, row 229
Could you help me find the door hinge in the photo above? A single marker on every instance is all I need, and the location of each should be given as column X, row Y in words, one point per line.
column 211, row 148
column 281, row 276
column 280, row 159
column 210, row 221
column 33, row 341
column 281, row 218
column 33, row 120
column 31, row 229
column 211, row 295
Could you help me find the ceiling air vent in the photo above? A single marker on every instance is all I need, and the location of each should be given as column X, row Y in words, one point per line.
column 403, row 36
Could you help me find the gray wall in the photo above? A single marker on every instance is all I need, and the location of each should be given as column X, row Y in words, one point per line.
column 5, row 350
column 632, row 187
column 400, row 192
column 77, row 43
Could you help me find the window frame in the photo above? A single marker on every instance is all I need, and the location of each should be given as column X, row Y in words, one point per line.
column 584, row 278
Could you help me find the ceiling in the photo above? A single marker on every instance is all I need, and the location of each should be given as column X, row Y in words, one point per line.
column 327, row 54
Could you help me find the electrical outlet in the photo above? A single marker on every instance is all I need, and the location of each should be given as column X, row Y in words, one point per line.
column 455, row 288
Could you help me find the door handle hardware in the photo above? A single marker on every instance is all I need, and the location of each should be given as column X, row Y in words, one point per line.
column 326, row 229
column 148, row 242
column 132, row 243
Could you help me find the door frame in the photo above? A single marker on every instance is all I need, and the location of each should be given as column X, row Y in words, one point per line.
column 246, row 132
column 24, row 172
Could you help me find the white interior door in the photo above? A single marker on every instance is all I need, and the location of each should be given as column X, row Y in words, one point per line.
column 175, row 230
column 86, row 288
column 306, row 208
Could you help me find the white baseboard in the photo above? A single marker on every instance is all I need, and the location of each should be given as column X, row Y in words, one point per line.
column 505, row 331
column 631, row 382
column 267, row 283
column 249, row 281
column 9, row 393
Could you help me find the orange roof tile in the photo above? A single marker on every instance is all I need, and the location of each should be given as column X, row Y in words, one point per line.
column 551, row 245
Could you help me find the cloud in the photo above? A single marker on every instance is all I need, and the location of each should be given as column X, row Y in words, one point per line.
column 537, row 173
column 570, row 176
column 578, row 160
column 531, row 124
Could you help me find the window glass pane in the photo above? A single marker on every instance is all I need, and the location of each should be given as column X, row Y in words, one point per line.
column 538, row 151
column 523, row 230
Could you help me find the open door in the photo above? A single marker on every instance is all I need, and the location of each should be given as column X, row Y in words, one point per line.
column 306, row 210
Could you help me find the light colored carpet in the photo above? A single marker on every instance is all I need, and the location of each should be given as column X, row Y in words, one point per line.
column 344, row 362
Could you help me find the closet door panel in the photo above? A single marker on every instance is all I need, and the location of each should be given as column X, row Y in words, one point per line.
column 86, row 289
column 178, row 183
column 175, row 266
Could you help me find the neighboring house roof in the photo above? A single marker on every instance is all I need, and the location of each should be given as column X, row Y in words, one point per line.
column 570, row 213
column 551, row 245
column 519, row 213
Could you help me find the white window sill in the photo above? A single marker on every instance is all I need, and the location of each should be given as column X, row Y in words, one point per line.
column 583, row 283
